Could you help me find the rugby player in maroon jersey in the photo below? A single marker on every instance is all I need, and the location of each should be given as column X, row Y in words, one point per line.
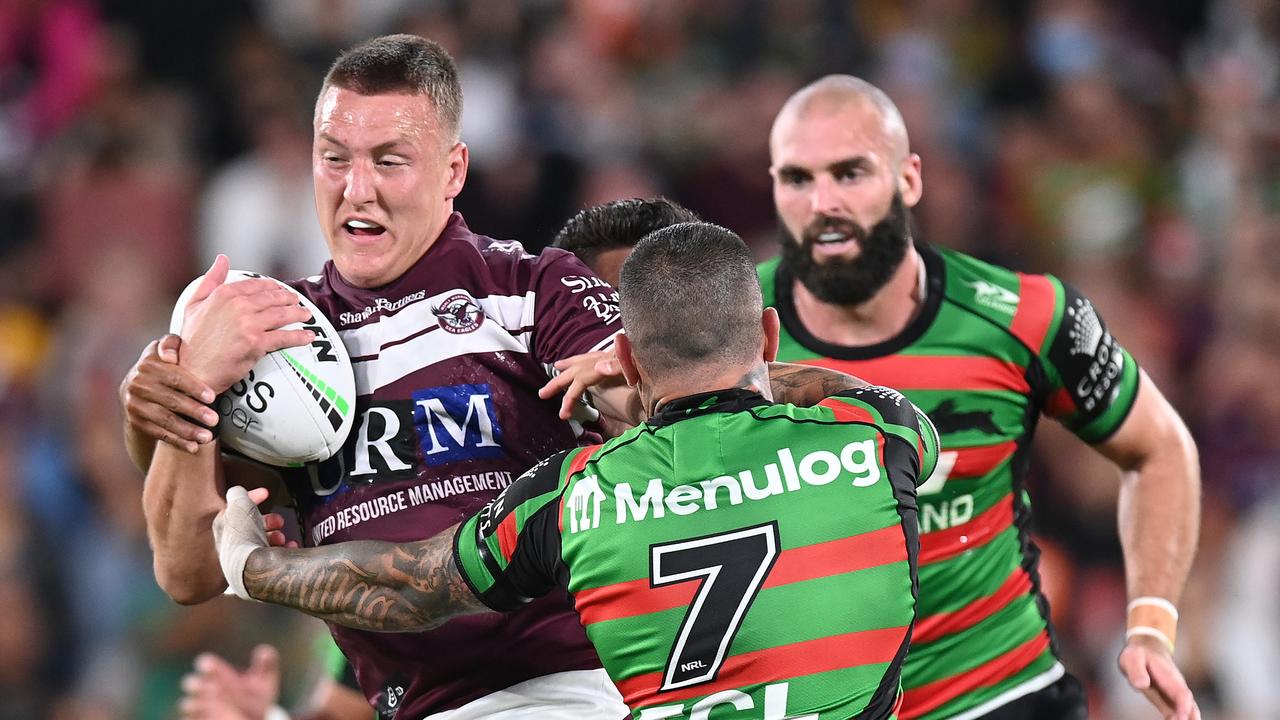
column 450, row 335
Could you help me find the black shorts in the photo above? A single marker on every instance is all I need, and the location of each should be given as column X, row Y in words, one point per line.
column 1063, row 700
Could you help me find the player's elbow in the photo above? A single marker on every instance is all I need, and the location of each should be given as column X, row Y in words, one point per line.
column 183, row 587
column 1172, row 444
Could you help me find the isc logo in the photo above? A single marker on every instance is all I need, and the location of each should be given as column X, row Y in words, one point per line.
column 455, row 423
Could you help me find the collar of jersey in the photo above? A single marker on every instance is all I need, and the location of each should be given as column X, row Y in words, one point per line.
column 717, row 401
column 935, row 278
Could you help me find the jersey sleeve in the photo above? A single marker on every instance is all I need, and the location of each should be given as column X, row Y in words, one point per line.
column 509, row 552
column 1091, row 382
column 574, row 311
column 897, row 417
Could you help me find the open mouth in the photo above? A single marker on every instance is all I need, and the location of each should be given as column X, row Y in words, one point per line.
column 833, row 239
column 363, row 228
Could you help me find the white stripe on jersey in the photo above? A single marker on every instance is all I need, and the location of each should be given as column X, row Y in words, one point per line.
column 606, row 343
column 504, row 318
column 513, row 312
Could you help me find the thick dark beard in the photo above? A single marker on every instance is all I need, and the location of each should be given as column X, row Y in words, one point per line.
column 850, row 282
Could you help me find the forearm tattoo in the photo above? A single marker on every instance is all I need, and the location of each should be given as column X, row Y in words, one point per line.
column 805, row 385
column 367, row 585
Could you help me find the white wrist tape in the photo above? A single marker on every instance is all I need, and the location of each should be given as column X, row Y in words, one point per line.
column 1150, row 632
column 237, row 532
column 275, row 712
column 1155, row 602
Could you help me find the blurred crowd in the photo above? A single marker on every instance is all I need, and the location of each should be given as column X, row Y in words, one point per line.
column 1132, row 147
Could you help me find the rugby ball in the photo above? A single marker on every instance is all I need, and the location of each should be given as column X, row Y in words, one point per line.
column 297, row 404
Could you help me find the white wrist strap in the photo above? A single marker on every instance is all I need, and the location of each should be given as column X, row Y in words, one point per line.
column 1153, row 601
column 1150, row 632
column 233, row 563
column 237, row 532
column 275, row 712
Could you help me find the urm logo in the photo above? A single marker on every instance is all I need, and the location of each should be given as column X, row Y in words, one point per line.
column 457, row 422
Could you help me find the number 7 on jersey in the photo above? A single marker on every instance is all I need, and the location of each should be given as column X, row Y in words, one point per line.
column 733, row 566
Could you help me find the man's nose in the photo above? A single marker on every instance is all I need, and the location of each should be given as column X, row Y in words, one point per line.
column 360, row 184
column 824, row 198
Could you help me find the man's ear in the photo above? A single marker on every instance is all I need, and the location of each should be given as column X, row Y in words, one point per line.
column 772, row 327
column 456, row 169
column 910, row 181
column 626, row 358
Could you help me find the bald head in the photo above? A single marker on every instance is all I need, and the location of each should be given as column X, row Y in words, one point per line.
column 841, row 93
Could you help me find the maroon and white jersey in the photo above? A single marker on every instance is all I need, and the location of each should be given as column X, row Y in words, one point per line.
column 448, row 360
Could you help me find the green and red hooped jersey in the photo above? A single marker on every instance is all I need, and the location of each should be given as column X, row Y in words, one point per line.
column 989, row 352
column 728, row 553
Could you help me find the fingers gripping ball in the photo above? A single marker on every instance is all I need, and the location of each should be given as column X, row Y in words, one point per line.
column 238, row 531
column 297, row 404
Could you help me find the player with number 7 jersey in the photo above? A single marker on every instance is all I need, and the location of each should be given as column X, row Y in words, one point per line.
column 728, row 553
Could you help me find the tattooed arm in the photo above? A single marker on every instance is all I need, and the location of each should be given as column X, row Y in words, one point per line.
column 368, row 585
column 805, row 385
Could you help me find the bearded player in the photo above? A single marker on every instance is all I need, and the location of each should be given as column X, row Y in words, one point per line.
column 985, row 351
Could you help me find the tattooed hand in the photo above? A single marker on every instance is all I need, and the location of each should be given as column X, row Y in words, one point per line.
column 367, row 585
column 804, row 385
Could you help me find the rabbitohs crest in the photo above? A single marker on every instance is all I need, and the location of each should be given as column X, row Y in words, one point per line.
column 994, row 296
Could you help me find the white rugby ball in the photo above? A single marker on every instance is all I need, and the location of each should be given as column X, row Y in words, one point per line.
column 297, row 404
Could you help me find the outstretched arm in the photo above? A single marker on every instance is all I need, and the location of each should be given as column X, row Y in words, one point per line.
column 1159, row 520
column 369, row 585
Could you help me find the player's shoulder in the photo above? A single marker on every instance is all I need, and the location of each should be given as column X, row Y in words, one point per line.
column 320, row 290
column 507, row 261
column 872, row 403
column 979, row 286
column 1024, row 304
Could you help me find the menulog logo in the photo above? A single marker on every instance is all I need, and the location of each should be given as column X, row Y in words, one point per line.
column 858, row 462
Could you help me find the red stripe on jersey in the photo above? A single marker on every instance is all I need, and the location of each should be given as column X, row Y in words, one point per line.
column 943, row 544
column 834, row 557
column 933, row 627
column 920, row 700
column 507, row 536
column 774, row 664
column 577, row 465
column 583, row 457
column 846, row 412
column 933, row 372
column 1060, row 404
column 973, row 462
column 859, row 552
column 1036, row 302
